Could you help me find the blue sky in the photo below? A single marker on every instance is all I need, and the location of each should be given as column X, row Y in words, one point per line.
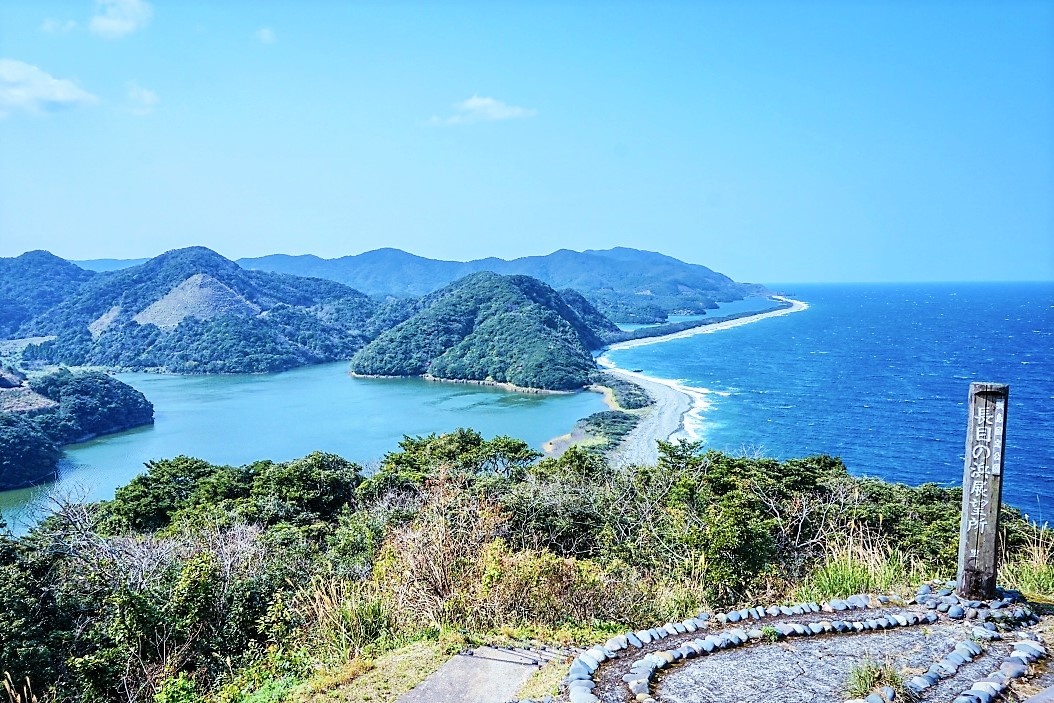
column 828, row 141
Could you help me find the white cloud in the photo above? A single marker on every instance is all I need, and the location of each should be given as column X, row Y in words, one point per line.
column 54, row 26
column 116, row 18
column 478, row 109
column 266, row 35
column 142, row 100
column 27, row 88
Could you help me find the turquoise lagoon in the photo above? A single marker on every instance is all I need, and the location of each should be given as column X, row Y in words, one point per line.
column 240, row 419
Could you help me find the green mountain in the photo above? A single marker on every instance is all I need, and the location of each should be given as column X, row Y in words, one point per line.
column 193, row 311
column 627, row 285
column 32, row 283
column 489, row 327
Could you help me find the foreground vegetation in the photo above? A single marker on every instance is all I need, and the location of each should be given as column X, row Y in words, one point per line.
column 273, row 581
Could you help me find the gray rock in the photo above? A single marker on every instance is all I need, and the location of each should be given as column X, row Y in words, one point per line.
column 816, row 628
column 956, row 612
column 919, row 683
column 589, row 662
column 980, row 694
column 579, row 670
column 634, row 640
column 581, row 696
column 734, row 616
column 1013, row 670
column 1030, row 645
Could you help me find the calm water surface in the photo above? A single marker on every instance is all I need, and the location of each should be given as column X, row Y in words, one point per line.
column 239, row 419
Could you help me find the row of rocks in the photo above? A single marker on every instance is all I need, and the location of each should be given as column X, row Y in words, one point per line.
column 942, row 598
column 1026, row 651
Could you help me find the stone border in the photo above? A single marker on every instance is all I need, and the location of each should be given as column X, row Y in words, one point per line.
column 1026, row 651
column 580, row 682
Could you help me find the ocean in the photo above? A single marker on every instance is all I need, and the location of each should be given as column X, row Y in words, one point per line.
column 879, row 376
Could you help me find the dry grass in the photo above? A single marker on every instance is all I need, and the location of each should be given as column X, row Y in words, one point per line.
column 21, row 692
column 545, row 681
column 379, row 681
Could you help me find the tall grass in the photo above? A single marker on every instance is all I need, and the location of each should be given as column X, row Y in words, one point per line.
column 860, row 564
column 345, row 618
column 1030, row 570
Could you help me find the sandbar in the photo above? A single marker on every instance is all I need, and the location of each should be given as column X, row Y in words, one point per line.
column 675, row 403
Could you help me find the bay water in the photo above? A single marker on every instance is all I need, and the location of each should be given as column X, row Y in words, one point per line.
column 236, row 420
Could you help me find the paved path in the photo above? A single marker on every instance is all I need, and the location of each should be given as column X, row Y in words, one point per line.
column 486, row 675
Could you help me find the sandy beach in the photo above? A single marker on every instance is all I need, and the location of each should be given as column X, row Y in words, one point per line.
column 675, row 404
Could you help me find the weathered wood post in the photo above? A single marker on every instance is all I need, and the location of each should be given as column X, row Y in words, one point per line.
column 982, row 489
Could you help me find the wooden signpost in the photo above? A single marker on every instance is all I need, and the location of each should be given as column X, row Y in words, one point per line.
column 982, row 489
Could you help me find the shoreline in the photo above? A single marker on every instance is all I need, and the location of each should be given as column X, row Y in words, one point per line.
column 677, row 407
column 509, row 387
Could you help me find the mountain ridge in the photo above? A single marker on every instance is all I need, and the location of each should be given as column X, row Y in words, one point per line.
column 628, row 285
column 194, row 311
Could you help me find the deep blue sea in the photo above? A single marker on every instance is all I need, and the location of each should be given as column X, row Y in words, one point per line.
column 879, row 375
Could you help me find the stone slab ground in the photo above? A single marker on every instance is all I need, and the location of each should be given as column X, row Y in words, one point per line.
column 482, row 675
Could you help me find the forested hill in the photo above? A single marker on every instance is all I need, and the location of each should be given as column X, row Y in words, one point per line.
column 488, row 327
column 32, row 283
column 193, row 311
column 627, row 285
column 70, row 407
